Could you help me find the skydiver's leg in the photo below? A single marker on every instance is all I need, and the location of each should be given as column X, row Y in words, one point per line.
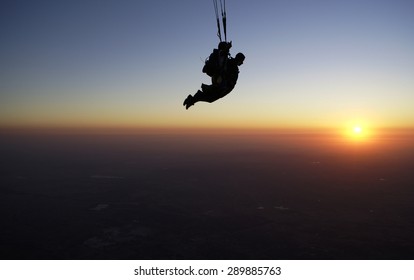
column 198, row 96
column 209, row 93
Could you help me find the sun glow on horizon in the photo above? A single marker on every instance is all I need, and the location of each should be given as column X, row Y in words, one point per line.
column 358, row 132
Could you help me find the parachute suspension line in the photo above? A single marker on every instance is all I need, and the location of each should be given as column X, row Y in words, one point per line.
column 224, row 18
column 217, row 18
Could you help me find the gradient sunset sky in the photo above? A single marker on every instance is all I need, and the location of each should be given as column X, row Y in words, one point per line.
column 132, row 63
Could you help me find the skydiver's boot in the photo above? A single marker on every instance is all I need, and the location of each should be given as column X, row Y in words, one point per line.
column 186, row 100
column 189, row 101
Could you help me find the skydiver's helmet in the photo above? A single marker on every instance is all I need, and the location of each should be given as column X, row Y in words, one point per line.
column 239, row 58
column 224, row 46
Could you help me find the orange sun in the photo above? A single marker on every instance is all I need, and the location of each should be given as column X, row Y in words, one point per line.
column 357, row 129
column 358, row 133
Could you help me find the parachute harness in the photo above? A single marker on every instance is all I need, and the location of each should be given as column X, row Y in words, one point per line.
column 223, row 17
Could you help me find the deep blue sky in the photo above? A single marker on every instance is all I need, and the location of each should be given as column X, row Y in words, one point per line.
column 309, row 63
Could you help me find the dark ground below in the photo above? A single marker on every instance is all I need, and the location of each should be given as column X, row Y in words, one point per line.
column 203, row 197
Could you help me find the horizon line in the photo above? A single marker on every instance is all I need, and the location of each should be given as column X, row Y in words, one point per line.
column 128, row 129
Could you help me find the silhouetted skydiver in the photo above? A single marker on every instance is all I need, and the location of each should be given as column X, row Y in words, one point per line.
column 221, row 85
